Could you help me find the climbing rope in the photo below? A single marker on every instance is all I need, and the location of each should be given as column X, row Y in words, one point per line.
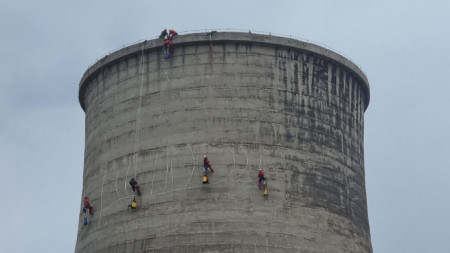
column 138, row 117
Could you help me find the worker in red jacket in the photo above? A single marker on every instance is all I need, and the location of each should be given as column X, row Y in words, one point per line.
column 168, row 48
column 206, row 164
column 261, row 177
column 87, row 206
column 172, row 33
column 135, row 186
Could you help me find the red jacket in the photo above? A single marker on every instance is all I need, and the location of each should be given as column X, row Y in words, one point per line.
column 86, row 202
column 261, row 174
column 168, row 42
column 205, row 162
column 172, row 33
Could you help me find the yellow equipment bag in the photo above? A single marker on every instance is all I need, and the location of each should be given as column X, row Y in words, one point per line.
column 134, row 204
column 205, row 179
column 265, row 191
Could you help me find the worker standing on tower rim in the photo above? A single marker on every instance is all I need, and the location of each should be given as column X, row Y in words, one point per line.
column 168, row 34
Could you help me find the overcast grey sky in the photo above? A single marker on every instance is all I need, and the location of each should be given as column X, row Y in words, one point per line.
column 402, row 46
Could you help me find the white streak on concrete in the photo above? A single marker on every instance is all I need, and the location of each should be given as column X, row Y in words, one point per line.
column 234, row 165
column 246, row 161
column 167, row 168
column 171, row 163
column 101, row 197
column 260, row 158
column 154, row 171
column 126, row 178
column 117, row 178
column 193, row 168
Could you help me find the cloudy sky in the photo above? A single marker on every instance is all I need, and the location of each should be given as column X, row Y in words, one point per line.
column 402, row 46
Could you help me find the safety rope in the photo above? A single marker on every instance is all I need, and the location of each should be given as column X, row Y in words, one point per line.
column 138, row 117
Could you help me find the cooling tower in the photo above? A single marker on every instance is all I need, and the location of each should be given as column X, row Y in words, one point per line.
column 247, row 101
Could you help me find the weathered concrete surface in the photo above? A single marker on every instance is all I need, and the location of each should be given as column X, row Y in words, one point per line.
column 248, row 101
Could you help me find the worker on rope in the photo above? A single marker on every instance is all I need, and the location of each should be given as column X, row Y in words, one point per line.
column 261, row 178
column 168, row 34
column 87, row 206
column 206, row 165
column 168, row 48
column 135, row 186
column 133, row 204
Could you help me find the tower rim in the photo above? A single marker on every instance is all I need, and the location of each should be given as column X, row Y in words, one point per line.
column 221, row 37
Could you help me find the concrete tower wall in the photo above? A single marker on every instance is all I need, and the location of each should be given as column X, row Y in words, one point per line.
column 248, row 101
